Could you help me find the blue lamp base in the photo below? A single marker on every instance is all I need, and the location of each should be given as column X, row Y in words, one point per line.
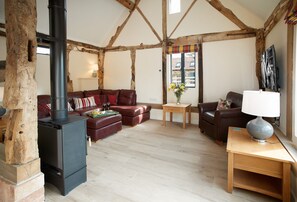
column 259, row 129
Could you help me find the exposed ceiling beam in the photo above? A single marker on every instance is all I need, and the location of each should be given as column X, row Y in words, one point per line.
column 190, row 7
column 139, row 47
column 121, row 27
column 275, row 16
column 227, row 13
column 127, row 3
column 149, row 24
column 209, row 37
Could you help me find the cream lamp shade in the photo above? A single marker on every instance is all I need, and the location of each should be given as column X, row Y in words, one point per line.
column 261, row 104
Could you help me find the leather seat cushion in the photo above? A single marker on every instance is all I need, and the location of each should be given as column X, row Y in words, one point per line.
column 131, row 110
column 96, row 123
column 209, row 116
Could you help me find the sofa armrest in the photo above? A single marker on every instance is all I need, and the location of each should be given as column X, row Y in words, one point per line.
column 208, row 106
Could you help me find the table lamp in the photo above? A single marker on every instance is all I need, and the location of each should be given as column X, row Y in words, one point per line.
column 261, row 104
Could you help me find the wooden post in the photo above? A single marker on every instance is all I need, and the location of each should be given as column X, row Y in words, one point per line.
column 275, row 16
column 260, row 48
column 133, row 55
column 101, row 56
column 227, row 13
column 21, row 179
column 200, row 72
column 290, row 76
column 164, row 47
column 69, row 81
column 20, row 86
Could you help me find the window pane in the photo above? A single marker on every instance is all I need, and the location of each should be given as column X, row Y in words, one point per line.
column 184, row 71
column 174, row 6
column 190, row 70
column 43, row 50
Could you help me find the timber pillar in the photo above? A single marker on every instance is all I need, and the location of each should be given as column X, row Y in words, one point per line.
column 20, row 175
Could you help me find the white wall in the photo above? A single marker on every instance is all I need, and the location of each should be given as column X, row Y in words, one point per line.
column 81, row 65
column 278, row 38
column 117, row 70
column 228, row 65
column 42, row 74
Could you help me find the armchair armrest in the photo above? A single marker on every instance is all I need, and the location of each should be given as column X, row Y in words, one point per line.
column 208, row 106
column 229, row 113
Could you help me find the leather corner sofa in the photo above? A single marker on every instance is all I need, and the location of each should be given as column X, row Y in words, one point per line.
column 215, row 123
column 124, row 102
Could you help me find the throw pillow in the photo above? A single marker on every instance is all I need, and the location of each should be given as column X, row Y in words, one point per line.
column 69, row 108
column 84, row 102
column 112, row 99
column 224, row 104
column 97, row 100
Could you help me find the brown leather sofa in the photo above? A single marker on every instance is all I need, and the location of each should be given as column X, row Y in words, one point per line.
column 130, row 113
column 215, row 123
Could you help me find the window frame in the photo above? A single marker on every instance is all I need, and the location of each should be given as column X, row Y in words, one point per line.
column 183, row 70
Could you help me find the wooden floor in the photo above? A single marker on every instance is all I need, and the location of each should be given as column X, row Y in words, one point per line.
column 152, row 163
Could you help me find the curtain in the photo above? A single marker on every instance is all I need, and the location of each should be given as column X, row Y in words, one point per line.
column 182, row 49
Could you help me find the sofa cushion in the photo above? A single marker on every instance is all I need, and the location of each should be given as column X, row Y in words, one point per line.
column 131, row 110
column 112, row 99
column 43, row 110
column 100, row 122
column 69, row 108
column 43, row 99
column 127, row 97
column 89, row 93
column 111, row 92
column 76, row 94
column 84, row 102
column 85, row 110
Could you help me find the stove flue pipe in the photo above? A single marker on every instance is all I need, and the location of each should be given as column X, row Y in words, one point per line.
column 57, row 29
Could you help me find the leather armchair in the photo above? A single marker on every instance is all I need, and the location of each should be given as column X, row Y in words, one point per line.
column 215, row 123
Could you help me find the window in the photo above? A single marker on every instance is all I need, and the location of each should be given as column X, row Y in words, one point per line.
column 183, row 68
column 174, row 6
column 44, row 50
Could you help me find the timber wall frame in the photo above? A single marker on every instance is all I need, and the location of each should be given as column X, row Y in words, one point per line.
column 165, row 40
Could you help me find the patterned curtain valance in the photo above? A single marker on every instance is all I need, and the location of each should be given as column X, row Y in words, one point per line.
column 182, row 49
column 291, row 17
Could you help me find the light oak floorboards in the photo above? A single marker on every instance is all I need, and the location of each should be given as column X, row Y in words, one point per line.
column 153, row 163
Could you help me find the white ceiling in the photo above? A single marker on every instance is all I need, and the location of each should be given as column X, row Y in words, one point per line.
column 261, row 8
column 95, row 21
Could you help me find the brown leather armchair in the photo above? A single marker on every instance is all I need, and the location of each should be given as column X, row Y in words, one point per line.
column 215, row 123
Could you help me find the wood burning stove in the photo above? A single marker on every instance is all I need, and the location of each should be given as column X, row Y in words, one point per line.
column 61, row 139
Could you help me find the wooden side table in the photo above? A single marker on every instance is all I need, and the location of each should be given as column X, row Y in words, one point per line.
column 177, row 108
column 259, row 167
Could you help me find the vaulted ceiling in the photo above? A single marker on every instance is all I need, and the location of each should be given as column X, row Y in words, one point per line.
column 95, row 21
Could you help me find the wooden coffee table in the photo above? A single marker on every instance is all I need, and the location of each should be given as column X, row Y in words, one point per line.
column 177, row 108
column 259, row 167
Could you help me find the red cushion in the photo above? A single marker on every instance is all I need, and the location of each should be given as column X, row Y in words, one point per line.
column 97, row 99
column 112, row 99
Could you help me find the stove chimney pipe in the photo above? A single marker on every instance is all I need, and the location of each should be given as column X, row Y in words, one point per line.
column 57, row 29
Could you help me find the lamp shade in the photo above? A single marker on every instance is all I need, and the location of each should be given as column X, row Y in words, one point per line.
column 261, row 103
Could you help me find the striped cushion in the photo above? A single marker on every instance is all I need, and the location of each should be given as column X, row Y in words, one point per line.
column 68, row 104
column 84, row 102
